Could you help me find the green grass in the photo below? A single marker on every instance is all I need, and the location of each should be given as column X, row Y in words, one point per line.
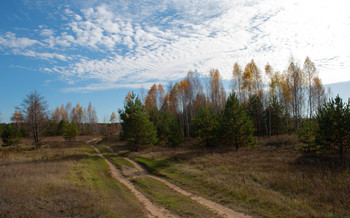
column 61, row 181
column 95, row 175
column 154, row 166
column 178, row 204
column 117, row 160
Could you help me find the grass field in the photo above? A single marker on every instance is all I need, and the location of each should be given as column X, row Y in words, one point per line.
column 61, row 180
column 266, row 181
column 64, row 179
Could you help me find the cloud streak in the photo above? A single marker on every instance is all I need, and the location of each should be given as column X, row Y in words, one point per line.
column 121, row 43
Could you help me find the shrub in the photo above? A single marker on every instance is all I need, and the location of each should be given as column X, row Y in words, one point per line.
column 10, row 135
column 24, row 131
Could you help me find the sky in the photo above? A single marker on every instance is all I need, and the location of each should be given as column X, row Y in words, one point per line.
column 90, row 50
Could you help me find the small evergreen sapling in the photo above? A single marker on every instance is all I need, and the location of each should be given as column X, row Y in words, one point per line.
column 306, row 135
column 71, row 131
column 333, row 133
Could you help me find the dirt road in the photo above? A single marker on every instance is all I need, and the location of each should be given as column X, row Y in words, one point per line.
column 215, row 207
column 153, row 210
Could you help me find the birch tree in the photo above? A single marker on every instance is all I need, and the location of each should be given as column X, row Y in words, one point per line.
column 319, row 96
column 251, row 80
column 310, row 73
column 216, row 91
column 34, row 107
column 237, row 74
column 295, row 82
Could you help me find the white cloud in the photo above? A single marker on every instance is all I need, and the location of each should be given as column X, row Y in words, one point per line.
column 127, row 42
column 47, row 33
column 44, row 55
column 10, row 40
column 103, row 87
column 77, row 17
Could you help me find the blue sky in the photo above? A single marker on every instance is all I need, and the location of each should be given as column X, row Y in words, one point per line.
column 81, row 51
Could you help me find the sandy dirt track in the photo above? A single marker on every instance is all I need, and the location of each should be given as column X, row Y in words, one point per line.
column 215, row 207
column 153, row 210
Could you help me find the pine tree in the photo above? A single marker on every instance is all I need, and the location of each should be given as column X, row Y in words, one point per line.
column 61, row 127
column 255, row 111
column 71, row 131
column 173, row 130
column 306, row 135
column 51, row 128
column 137, row 129
column 236, row 127
column 334, row 126
column 205, row 126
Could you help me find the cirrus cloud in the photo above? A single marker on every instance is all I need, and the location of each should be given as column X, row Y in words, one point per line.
column 120, row 43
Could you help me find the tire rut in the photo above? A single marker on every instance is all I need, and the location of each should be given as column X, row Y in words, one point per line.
column 152, row 209
column 215, row 207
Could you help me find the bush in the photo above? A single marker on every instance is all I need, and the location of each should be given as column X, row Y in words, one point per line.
column 24, row 131
column 10, row 135
column 51, row 128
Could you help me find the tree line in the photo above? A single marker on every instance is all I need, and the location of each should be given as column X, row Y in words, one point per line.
column 32, row 118
column 261, row 103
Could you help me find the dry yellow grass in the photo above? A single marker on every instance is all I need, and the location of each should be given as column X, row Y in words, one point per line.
column 59, row 180
column 267, row 181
